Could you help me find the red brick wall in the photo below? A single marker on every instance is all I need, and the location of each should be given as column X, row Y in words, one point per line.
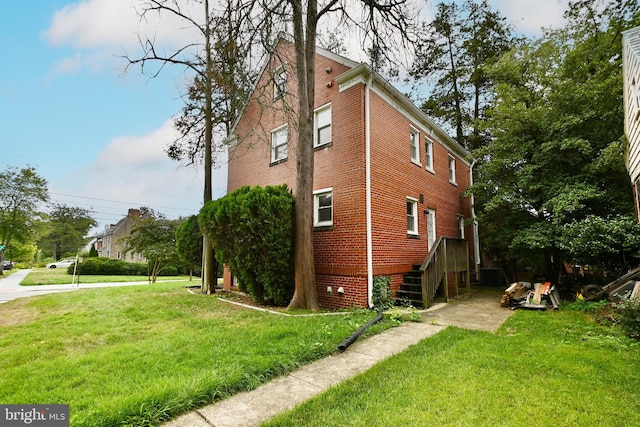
column 340, row 250
column 395, row 177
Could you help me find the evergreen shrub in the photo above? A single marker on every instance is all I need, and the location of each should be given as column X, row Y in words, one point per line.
column 252, row 231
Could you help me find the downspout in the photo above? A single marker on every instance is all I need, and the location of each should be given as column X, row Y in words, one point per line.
column 367, row 155
column 476, row 238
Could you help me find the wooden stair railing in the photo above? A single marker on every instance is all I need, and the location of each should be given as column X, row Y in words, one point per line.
column 448, row 255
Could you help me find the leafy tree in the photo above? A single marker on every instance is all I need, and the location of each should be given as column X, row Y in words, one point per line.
column 454, row 52
column 22, row 192
column 552, row 185
column 252, row 230
column 154, row 237
column 67, row 229
column 189, row 242
column 93, row 252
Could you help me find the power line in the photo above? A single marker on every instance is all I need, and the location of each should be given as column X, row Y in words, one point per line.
column 118, row 201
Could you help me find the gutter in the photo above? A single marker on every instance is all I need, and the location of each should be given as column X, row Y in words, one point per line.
column 367, row 132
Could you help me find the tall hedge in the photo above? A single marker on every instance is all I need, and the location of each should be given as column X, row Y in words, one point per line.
column 252, row 231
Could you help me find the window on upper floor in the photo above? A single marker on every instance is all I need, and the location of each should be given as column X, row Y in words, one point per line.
column 452, row 170
column 280, row 82
column 431, row 227
column 461, row 226
column 279, row 140
column 414, row 138
column 323, row 207
column 322, row 126
column 412, row 216
column 428, row 156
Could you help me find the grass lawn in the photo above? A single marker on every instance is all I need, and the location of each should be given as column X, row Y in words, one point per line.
column 540, row 369
column 139, row 355
column 59, row 276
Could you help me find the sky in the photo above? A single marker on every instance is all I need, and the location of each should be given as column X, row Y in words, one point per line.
column 96, row 131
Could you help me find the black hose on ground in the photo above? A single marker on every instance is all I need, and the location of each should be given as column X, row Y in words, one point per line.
column 353, row 337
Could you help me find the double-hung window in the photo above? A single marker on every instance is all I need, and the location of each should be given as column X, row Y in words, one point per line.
column 279, row 139
column 452, row 170
column 428, row 156
column 322, row 126
column 412, row 216
column 279, row 82
column 323, row 207
column 461, row 226
column 414, row 138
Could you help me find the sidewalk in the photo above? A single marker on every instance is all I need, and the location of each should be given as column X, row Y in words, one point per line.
column 10, row 288
column 480, row 311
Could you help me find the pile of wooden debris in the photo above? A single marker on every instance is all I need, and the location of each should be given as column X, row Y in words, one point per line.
column 538, row 296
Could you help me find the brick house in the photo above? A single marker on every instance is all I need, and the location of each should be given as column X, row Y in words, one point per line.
column 111, row 245
column 387, row 180
column 631, row 83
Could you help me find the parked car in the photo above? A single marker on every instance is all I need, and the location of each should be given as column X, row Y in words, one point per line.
column 8, row 265
column 63, row 263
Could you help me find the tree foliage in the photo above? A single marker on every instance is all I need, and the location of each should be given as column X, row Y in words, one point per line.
column 66, row 230
column 454, row 53
column 551, row 185
column 154, row 237
column 22, row 195
column 189, row 242
column 252, row 230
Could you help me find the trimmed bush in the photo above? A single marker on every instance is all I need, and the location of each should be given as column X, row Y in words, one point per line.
column 252, row 231
column 108, row 266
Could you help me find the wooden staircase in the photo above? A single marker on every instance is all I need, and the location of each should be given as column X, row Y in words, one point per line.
column 420, row 285
column 410, row 292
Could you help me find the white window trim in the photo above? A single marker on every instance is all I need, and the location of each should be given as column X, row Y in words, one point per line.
column 414, row 142
column 315, row 125
column 431, row 227
column 316, row 199
column 428, row 148
column 452, row 170
column 273, row 147
column 414, row 203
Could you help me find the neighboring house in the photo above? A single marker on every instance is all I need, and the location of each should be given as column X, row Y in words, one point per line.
column 631, row 82
column 388, row 182
column 111, row 244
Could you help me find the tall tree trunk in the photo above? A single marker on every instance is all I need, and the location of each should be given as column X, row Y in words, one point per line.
column 305, row 294
column 208, row 273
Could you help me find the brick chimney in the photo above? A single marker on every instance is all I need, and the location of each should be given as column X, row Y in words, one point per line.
column 134, row 213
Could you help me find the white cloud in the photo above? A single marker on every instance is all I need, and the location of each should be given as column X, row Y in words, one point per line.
column 136, row 170
column 105, row 30
column 530, row 16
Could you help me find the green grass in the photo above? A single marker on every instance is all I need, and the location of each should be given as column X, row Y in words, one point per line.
column 139, row 355
column 542, row 369
column 59, row 276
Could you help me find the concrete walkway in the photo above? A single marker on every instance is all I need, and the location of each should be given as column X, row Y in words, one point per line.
column 10, row 288
column 482, row 311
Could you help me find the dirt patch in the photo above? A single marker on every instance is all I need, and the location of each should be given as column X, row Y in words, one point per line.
column 17, row 313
